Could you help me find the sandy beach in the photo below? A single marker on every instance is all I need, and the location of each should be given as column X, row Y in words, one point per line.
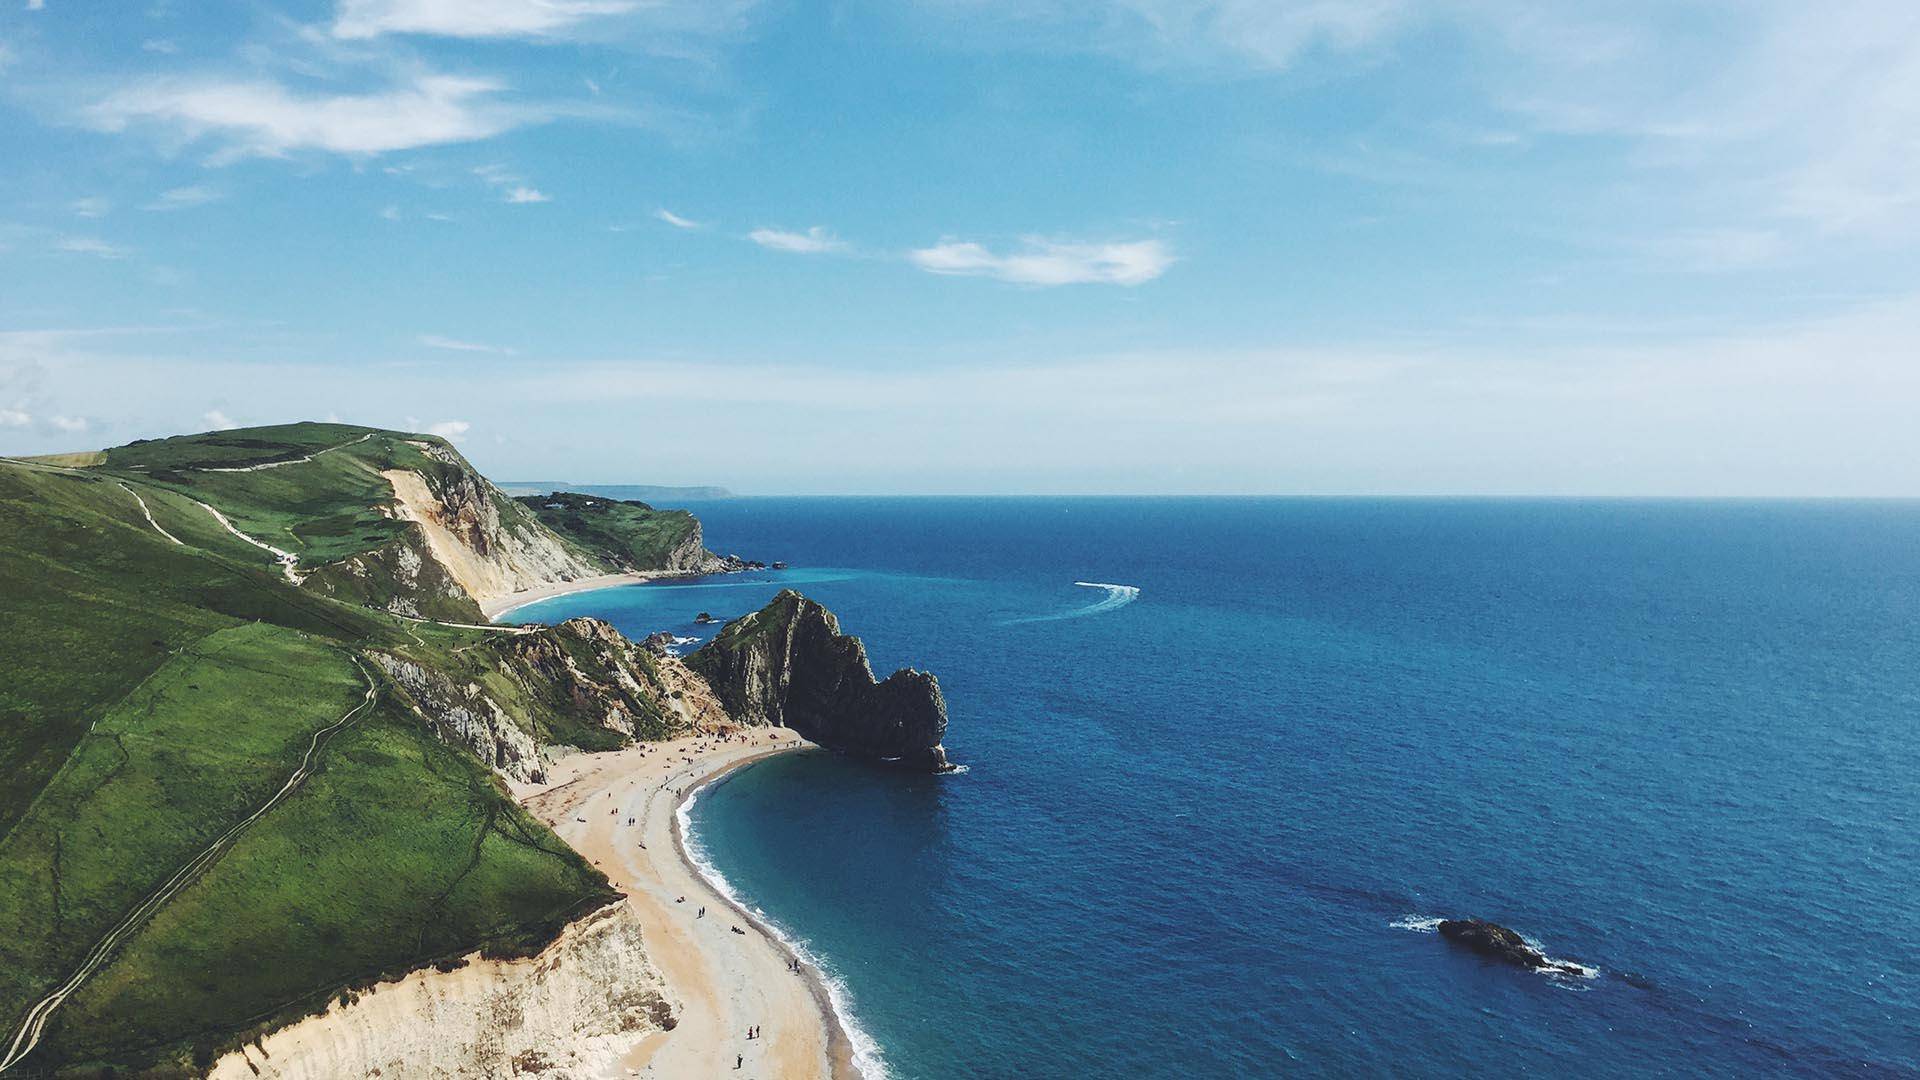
column 618, row 809
column 494, row 607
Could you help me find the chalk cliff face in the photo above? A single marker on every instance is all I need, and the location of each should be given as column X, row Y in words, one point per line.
column 789, row 664
column 488, row 543
column 573, row 1010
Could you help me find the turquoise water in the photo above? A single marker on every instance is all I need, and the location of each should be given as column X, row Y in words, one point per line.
column 1203, row 825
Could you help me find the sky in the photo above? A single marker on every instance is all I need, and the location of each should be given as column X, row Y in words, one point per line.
column 983, row 246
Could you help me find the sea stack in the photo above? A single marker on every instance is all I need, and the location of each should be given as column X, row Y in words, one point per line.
column 788, row 663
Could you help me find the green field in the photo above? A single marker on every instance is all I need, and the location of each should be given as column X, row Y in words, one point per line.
column 158, row 690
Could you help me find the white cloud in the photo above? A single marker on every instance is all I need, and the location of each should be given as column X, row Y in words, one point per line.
column 69, row 424
column 390, row 212
column 182, row 198
column 264, row 118
column 218, row 421
column 469, row 18
column 527, row 195
column 36, row 5
column 814, row 241
column 161, row 46
column 90, row 245
column 1047, row 262
column 14, row 418
column 676, row 220
column 449, row 429
column 436, row 341
column 92, row 206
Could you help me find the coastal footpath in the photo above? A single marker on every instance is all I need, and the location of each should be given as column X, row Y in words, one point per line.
column 283, row 801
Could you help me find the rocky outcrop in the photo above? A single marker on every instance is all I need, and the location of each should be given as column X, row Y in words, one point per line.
column 576, row 1009
column 789, row 664
column 465, row 715
column 590, row 671
column 1496, row 942
column 576, row 684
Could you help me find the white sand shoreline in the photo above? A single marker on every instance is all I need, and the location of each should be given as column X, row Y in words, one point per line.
column 720, row 980
column 497, row 607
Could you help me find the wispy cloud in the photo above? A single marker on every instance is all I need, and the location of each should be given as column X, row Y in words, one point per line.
column 90, row 245
column 469, row 18
column 182, row 198
column 436, row 341
column 15, row 417
column 218, row 421
column 815, row 241
column 1048, row 262
column 69, row 424
column 264, row 118
column 449, row 429
column 92, row 206
column 676, row 220
column 527, row 195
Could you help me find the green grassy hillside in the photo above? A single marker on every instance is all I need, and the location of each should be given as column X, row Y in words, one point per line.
column 631, row 535
column 163, row 679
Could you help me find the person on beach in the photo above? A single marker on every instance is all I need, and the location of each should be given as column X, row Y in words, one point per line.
column 737, row 1060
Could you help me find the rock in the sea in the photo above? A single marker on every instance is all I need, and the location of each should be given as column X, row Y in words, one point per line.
column 789, row 664
column 1496, row 942
column 704, row 618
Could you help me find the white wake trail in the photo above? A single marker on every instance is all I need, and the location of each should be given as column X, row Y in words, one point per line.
column 1118, row 596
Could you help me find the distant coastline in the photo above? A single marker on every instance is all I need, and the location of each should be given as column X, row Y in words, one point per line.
column 646, row 493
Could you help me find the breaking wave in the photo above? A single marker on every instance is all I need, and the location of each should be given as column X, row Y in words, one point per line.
column 868, row 1059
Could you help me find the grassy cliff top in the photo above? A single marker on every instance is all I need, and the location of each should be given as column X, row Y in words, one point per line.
column 627, row 533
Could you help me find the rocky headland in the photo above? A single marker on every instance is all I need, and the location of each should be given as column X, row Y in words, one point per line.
column 789, row 664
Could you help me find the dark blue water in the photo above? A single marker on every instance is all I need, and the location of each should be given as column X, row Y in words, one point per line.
column 1679, row 742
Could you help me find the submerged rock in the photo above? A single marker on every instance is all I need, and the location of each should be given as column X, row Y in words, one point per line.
column 1496, row 942
column 788, row 663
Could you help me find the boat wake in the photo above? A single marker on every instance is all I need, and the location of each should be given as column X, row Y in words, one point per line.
column 1118, row 596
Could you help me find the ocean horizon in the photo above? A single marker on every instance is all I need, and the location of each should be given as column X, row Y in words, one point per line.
column 1229, row 760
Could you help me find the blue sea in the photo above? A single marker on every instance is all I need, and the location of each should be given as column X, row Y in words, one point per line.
column 1209, row 819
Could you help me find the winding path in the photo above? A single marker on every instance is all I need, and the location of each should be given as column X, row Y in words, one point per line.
column 282, row 464
column 149, row 513
column 289, row 562
column 35, row 1021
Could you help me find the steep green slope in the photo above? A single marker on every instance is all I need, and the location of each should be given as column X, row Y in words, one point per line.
column 321, row 493
column 630, row 535
column 163, row 679
column 93, row 599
